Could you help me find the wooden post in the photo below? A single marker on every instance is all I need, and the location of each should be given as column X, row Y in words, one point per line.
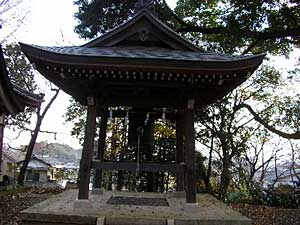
column 148, row 147
column 87, row 151
column 101, row 147
column 179, row 151
column 1, row 138
column 189, row 138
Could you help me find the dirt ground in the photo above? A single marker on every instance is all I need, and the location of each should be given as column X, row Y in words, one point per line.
column 263, row 215
column 13, row 202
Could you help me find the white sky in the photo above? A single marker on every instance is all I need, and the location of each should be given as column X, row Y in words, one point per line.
column 49, row 23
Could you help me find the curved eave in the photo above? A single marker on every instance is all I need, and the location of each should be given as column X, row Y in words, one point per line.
column 11, row 104
column 37, row 55
column 28, row 98
column 14, row 98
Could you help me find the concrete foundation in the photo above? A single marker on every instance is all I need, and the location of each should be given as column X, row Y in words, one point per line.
column 60, row 210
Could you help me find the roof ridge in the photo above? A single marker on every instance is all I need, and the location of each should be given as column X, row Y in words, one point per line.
column 153, row 19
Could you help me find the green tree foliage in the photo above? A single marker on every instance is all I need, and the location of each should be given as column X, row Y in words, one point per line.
column 231, row 26
column 233, row 132
column 242, row 26
column 98, row 16
column 76, row 113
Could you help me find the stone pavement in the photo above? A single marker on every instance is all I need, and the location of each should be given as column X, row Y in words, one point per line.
column 64, row 209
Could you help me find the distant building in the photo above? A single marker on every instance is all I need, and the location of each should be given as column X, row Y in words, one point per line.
column 37, row 171
column 71, row 171
column 287, row 174
column 9, row 161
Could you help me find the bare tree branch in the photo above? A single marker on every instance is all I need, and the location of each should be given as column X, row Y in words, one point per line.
column 250, row 47
column 295, row 135
column 34, row 136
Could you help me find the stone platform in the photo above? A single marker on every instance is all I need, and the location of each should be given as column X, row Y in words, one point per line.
column 63, row 209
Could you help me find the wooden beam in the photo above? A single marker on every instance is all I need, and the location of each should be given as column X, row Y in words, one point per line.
column 154, row 114
column 87, row 153
column 189, row 138
column 145, row 167
column 101, row 147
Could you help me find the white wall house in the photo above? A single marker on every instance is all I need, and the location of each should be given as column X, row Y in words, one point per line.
column 37, row 170
column 9, row 161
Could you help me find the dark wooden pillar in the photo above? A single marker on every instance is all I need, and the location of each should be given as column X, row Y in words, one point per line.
column 148, row 147
column 101, row 147
column 87, row 151
column 179, row 150
column 1, row 137
column 189, row 146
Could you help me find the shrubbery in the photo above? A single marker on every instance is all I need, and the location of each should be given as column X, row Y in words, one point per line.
column 283, row 196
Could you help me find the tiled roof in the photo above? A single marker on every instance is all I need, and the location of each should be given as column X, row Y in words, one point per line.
column 12, row 155
column 142, row 53
column 36, row 162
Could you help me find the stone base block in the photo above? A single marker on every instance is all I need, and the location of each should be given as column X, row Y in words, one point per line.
column 170, row 222
column 191, row 207
column 135, row 221
column 97, row 191
column 100, row 221
column 82, row 203
column 179, row 194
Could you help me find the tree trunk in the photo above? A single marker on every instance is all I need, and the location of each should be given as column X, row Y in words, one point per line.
column 34, row 136
column 29, row 151
column 225, row 177
column 207, row 177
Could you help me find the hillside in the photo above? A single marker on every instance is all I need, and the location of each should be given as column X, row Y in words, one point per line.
column 61, row 152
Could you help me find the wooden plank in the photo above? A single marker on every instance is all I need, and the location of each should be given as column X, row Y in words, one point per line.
column 87, row 153
column 144, row 166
